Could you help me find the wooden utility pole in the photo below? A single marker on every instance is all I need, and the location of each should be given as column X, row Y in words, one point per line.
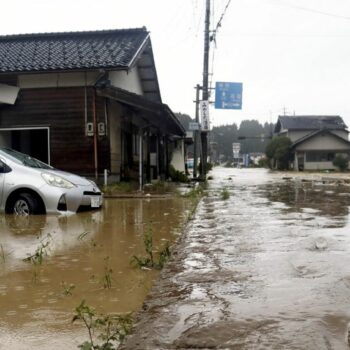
column 205, row 90
column 195, row 132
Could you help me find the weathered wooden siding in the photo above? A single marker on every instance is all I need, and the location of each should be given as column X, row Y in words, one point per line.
column 63, row 111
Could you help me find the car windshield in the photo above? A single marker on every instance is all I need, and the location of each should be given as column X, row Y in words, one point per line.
column 25, row 159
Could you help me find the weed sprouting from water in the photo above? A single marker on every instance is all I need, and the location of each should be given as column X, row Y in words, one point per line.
column 37, row 258
column 107, row 330
column 67, row 288
column 2, row 254
column 107, row 276
column 41, row 251
column 225, row 194
column 149, row 260
column 148, row 243
column 164, row 255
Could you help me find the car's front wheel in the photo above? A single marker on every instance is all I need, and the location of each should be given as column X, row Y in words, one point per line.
column 25, row 204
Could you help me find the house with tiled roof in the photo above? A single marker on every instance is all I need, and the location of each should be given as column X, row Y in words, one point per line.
column 87, row 102
column 316, row 140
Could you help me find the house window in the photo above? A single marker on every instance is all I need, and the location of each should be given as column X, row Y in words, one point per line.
column 320, row 156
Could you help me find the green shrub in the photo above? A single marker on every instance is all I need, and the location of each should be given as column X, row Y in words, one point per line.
column 177, row 176
column 341, row 162
column 278, row 152
column 121, row 187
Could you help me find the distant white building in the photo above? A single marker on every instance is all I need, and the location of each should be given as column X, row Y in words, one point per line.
column 316, row 140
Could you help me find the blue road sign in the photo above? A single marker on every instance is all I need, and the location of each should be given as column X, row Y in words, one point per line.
column 228, row 95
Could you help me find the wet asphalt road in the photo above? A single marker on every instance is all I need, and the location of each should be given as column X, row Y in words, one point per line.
column 267, row 268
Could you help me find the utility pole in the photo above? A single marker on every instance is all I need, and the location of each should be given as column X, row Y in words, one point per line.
column 205, row 93
column 195, row 148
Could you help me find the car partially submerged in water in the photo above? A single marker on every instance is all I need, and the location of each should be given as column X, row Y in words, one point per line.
column 29, row 186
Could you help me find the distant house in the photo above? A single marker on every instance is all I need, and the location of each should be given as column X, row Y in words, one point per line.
column 87, row 101
column 316, row 140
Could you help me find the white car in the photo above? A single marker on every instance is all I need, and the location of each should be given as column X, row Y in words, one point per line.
column 29, row 186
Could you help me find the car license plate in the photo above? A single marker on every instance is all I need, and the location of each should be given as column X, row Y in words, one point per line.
column 95, row 202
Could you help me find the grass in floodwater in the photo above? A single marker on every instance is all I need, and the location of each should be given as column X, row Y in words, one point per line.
column 67, row 288
column 2, row 254
column 159, row 187
column 38, row 257
column 164, row 255
column 149, row 261
column 121, row 187
column 105, row 331
column 107, row 276
column 225, row 194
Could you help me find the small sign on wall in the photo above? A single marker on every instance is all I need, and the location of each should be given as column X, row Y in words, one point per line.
column 89, row 129
column 101, row 129
column 193, row 126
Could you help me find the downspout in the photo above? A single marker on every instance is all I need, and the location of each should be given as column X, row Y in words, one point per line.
column 95, row 132
column 141, row 160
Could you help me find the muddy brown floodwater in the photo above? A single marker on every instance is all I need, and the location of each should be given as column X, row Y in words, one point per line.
column 36, row 307
column 268, row 268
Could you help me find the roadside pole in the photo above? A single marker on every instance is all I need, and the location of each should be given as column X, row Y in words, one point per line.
column 205, row 94
column 195, row 148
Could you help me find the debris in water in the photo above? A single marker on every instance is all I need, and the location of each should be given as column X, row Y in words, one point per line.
column 321, row 244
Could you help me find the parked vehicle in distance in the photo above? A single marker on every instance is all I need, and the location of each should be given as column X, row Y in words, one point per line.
column 29, row 186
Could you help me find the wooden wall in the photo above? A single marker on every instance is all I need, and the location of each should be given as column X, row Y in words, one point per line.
column 63, row 111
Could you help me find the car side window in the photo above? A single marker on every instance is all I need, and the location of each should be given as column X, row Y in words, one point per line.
column 4, row 168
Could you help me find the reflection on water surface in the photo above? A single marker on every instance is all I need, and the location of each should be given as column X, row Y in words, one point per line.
column 35, row 302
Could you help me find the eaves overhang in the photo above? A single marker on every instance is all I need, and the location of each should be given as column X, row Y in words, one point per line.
column 316, row 133
column 157, row 114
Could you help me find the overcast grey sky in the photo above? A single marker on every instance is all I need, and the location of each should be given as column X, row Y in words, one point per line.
column 289, row 54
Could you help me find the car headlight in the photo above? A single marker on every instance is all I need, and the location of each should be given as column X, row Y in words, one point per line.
column 56, row 181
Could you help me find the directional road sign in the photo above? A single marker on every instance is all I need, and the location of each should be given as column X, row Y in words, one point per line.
column 228, row 95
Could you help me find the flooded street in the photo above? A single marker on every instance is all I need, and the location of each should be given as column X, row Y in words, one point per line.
column 267, row 268
column 68, row 260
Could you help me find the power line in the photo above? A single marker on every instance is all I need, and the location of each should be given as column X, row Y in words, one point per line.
column 284, row 35
column 222, row 16
column 213, row 39
column 307, row 9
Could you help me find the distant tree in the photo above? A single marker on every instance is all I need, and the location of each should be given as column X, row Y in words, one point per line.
column 341, row 162
column 268, row 131
column 224, row 136
column 256, row 137
column 184, row 119
column 278, row 152
column 254, row 133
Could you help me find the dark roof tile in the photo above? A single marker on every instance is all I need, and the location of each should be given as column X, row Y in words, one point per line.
column 312, row 122
column 69, row 51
